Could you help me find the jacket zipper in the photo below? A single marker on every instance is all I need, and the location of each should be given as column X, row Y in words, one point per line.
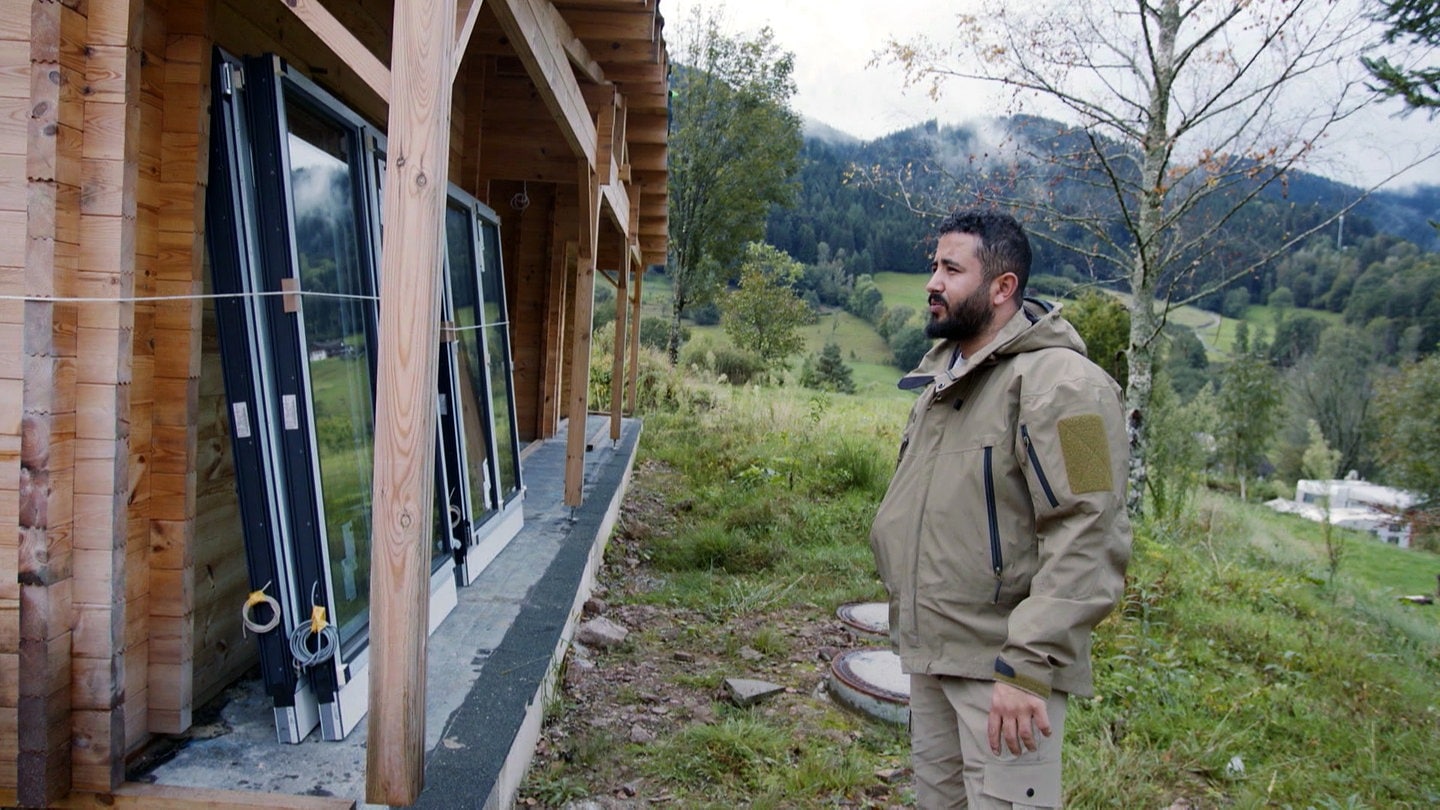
column 1039, row 471
column 997, row 564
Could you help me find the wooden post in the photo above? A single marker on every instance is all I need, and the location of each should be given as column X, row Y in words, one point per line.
column 617, row 367
column 405, row 411
column 631, row 382
column 580, row 350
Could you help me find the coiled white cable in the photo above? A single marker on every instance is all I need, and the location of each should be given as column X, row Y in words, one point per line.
column 327, row 638
column 247, row 612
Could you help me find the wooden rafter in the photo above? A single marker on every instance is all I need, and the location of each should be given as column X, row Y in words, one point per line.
column 467, row 12
column 350, row 50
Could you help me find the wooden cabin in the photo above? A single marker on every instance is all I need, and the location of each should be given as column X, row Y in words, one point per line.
column 277, row 279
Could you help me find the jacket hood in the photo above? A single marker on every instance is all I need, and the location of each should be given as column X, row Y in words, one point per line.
column 1036, row 326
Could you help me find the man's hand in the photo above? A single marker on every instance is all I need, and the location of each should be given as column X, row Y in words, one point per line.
column 1014, row 714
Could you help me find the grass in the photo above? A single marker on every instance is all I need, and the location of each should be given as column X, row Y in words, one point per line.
column 1235, row 674
column 902, row 290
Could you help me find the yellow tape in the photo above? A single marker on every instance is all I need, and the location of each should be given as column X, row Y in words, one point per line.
column 317, row 619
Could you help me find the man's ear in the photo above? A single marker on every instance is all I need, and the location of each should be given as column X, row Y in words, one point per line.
column 1003, row 288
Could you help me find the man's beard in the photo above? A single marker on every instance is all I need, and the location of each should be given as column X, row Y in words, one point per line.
column 967, row 319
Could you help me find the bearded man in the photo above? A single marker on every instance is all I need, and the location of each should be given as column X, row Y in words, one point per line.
column 1003, row 537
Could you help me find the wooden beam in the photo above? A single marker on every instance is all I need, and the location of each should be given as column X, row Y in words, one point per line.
column 417, row 167
column 617, row 365
column 605, row 141
column 648, row 157
column 533, row 29
column 580, row 350
column 627, row 5
column 611, row 25
column 617, row 204
column 466, row 13
column 634, row 342
column 350, row 50
column 647, row 127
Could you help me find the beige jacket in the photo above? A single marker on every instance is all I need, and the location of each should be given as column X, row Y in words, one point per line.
column 1003, row 537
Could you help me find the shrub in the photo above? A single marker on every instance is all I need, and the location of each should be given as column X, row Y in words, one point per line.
column 737, row 367
column 655, row 333
column 658, row 387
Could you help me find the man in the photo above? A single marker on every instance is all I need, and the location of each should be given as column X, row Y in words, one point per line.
column 1003, row 536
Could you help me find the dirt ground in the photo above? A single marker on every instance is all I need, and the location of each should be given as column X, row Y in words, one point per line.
column 668, row 674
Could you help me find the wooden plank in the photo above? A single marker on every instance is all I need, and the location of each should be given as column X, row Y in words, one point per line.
column 339, row 39
column 611, row 25
column 405, row 417
column 14, row 68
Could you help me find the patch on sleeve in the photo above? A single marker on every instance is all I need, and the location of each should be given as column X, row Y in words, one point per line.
column 1087, row 453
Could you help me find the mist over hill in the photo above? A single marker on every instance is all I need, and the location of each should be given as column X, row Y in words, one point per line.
column 870, row 199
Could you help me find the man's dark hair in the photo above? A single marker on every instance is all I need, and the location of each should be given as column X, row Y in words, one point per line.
column 1004, row 247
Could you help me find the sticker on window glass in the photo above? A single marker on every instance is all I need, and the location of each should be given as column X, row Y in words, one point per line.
column 292, row 412
column 241, row 420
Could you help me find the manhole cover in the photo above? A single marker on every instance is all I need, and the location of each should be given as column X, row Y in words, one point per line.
column 867, row 617
column 872, row 682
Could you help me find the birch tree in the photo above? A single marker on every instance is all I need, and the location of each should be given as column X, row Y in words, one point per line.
column 1183, row 111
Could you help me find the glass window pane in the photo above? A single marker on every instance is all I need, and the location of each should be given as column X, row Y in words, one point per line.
column 497, row 348
column 337, row 343
column 474, row 420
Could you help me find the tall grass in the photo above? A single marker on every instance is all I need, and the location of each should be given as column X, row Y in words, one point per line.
column 1234, row 674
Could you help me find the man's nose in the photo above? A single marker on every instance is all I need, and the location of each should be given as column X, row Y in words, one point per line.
column 933, row 284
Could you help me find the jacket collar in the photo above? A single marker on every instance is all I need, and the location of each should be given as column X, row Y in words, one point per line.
column 1036, row 325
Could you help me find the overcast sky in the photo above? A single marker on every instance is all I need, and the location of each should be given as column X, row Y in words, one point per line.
column 834, row 41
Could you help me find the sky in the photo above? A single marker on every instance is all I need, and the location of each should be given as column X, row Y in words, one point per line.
column 834, row 42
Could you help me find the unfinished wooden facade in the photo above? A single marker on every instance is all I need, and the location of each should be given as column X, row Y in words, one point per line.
column 122, row 581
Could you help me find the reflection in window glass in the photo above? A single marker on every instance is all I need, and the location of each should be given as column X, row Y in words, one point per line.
column 497, row 348
column 460, row 244
column 337, row 346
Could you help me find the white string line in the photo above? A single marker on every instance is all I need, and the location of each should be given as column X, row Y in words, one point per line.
column 141, row 299
column 55, row 299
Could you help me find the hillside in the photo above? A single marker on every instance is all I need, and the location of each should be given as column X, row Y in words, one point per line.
column 1379, row 268
column 1234, row 674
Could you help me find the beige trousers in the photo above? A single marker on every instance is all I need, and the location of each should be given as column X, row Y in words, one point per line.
column 951, row 754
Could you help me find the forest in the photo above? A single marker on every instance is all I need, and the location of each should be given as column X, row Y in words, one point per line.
column 855, row 215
